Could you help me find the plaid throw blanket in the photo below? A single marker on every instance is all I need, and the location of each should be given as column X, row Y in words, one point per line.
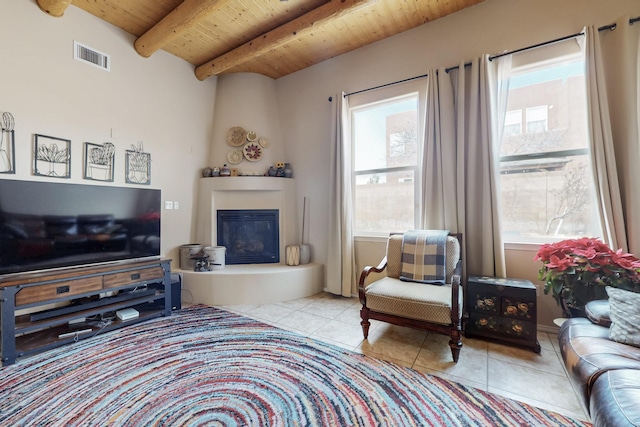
column 424, row 256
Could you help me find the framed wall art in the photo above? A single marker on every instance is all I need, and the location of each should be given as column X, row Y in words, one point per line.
column 137, row 165
column 99, row 161
column 7, row 144
column 52, row 156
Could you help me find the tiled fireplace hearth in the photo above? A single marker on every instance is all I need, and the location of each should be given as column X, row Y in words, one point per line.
column 250, row 283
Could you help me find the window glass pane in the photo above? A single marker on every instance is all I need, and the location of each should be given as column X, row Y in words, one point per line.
column 385, row 141
column 537, row 119
column 385, row 134
column 384, row 202
column 559, row 88
column 546, row 184
column 513, row 123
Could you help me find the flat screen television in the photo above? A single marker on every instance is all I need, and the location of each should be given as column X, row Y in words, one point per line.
column 47, row 225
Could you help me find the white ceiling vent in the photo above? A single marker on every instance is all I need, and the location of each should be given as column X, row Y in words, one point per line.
column 91, row 56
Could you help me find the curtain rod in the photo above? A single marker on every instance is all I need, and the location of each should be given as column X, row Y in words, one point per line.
column 491, row 58
column 384, row 85
column 610, row 27
column 603, row 28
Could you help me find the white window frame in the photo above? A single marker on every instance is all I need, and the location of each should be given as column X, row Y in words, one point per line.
column 529, row 61
column 384, row 95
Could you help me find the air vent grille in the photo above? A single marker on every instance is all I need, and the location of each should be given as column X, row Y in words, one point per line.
column 91, row 56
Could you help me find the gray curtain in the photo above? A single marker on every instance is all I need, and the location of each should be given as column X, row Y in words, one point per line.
column 341, row 256
column 479, row 95
column 614, row 118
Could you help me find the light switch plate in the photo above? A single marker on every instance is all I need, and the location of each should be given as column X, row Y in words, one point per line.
column 168, row 205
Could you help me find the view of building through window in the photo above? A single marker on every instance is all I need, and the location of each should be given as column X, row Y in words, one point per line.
column 385, row 141
column 546, row 184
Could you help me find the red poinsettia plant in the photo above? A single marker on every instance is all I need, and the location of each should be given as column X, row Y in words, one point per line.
column 577, row 271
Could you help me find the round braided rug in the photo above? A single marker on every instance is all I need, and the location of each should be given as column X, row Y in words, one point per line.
column 205, row 366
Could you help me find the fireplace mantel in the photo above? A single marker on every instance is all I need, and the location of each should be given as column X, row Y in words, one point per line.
column 247, row 192
column 251, row 283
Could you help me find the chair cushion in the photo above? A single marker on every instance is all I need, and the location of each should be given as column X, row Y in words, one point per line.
column 420, row 301
column 394, row 256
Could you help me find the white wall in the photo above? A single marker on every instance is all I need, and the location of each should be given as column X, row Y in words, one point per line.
column 156, row 100
column 490, row 27
column 159, row 101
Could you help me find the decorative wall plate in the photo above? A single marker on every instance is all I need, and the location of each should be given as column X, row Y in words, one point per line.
column 235, row 156
column 263, row 141
column 252, row 152
column 251, row 136
column 236, row 136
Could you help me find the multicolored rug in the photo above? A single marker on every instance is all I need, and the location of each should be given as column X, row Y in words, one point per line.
column 205, row 366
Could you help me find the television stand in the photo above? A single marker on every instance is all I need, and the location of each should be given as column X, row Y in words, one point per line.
column 24, row 334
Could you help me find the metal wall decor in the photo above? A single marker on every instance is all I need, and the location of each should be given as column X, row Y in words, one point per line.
column 137, row 165
column 7, row 144
column 52, row 156
column 99, row 161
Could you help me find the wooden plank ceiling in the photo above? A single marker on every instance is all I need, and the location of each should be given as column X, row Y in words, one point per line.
column 269, row 37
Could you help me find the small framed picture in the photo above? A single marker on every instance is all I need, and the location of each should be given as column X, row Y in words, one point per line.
column 52, row 156
column 99, row 161
column 137, row 165
column 7, row 151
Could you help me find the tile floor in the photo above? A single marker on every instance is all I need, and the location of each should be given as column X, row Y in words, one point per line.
column 537, row 379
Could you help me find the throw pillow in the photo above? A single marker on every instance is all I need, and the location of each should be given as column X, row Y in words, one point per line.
column 625, row 316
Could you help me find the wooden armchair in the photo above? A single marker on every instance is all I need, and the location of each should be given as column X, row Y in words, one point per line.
column 436, row 308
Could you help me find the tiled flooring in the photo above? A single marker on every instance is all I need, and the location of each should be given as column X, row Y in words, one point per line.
column 537, row 379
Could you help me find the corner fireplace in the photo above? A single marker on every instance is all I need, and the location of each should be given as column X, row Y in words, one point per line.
column 251, row 236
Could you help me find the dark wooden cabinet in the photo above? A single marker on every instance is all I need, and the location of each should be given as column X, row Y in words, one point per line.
column 64, row 306
column 503, row 310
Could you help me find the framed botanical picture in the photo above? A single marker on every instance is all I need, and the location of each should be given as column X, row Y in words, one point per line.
column 7, row 144
column 7, row 151
column 137, row 165
column 52, row 156
column 99, row 161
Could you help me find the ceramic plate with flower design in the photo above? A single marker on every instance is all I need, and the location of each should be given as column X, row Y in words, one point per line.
column 252, row 151
column 234, row 156
column 251, row 136
column 263, row 141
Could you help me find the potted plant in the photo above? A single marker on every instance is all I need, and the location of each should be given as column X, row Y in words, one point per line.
column 577, row 271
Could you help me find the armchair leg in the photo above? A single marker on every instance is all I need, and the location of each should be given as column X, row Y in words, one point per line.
column 364, row 315
column 456, row 344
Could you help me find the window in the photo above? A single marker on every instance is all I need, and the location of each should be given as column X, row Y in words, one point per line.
column 537, row 119
column 513, row 123
column 546, row 184
column 385, row 142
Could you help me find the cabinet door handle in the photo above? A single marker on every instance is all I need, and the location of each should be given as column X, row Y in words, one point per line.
column 135, row 276
column 62, row 289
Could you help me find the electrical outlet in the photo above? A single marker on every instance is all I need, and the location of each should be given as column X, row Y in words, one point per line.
column 168, row 205
column 176, row 205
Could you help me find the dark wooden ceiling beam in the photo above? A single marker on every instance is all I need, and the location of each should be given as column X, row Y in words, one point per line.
column 181, row 19
column 279, row 36
column 53, row 7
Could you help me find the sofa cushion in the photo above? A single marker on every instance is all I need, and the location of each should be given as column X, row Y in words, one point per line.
column 598, row 312
column 625, row 316
column 614, row 399
column 588, row 352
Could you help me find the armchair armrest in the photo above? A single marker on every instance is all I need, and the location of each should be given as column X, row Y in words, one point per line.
column 455, row 300
column 598, row 312
column 363, row 278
